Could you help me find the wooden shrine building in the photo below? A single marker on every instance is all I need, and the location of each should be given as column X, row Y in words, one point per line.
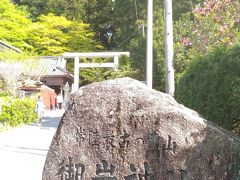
column 56, row 76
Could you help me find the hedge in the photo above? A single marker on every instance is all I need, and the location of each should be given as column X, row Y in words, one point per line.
column 211, row 86
column 17, row 112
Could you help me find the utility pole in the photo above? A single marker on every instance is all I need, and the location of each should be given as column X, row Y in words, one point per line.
column 170, row 87
column 149, row 59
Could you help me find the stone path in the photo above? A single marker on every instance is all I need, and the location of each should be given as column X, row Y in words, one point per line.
column 23, row 150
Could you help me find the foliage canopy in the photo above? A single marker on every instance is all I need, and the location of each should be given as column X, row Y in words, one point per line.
column 53, row 35
column 14, row 24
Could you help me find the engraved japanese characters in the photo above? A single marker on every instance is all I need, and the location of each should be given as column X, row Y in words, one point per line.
column 122, row 130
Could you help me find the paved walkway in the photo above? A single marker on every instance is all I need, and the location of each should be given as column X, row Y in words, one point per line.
column 23, row 150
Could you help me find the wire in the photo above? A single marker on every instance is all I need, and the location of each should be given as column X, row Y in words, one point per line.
column 134, row 33
column 127, row 39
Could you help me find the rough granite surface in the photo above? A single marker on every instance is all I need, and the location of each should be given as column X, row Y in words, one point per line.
column 122, row 130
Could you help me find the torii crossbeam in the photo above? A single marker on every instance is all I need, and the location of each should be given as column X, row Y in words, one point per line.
column 77, row 64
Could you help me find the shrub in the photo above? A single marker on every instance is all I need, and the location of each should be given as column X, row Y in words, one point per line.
column 211, row 86
column 17, row 112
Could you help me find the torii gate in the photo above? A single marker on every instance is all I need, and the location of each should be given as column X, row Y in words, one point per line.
column 78, row 64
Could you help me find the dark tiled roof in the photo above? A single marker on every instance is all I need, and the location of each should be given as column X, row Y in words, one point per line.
column 54, row 66
column 45, row 67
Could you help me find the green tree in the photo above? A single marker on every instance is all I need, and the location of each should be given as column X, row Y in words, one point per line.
column 100, row 15
column 53, row 35
column 14, row 24
column 128, row 23
column 34, row 7
column 71, row 9
column 184, row 6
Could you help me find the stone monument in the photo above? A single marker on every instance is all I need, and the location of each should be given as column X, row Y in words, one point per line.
column 122, row 130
